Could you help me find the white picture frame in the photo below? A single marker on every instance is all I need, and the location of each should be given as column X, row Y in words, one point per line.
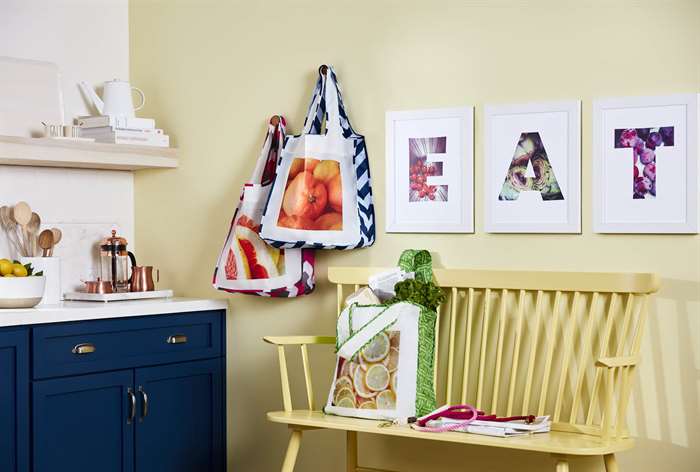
column 625, row 197
column 441, row 141
column 532, row 167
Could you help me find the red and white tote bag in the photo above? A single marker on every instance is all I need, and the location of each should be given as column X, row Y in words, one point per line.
column 247, row 264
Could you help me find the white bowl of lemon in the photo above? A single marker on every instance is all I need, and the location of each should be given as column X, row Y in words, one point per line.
column 20, row 287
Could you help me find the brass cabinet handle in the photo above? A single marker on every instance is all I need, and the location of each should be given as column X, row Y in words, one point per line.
column 177, row 339
column 132, row 405
column 84, row 348
column 144, row 395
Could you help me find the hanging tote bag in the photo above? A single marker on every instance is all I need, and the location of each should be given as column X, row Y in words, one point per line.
column 322, row 196
column 386, row 356
column 249, row 265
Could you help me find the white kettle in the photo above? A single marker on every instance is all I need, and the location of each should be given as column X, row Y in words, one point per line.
column 116, row 98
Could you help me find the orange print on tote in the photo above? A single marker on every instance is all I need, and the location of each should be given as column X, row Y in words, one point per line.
column 313, row 197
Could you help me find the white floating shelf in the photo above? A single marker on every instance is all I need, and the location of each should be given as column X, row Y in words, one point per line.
column 47, row 152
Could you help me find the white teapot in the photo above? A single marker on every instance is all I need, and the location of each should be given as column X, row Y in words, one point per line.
column 116, row 98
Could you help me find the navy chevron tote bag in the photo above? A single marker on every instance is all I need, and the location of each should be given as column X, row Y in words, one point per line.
column 322, row 196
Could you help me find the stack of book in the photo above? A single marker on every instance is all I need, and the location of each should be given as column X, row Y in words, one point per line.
column 122, row 130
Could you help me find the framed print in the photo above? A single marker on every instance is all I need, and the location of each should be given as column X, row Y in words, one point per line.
column 646, row 164
column 429, row 171
column 532, row 168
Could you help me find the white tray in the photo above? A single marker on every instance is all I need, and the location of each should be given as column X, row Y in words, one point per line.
column 116, row 297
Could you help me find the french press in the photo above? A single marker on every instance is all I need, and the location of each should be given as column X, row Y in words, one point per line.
column 114, row 262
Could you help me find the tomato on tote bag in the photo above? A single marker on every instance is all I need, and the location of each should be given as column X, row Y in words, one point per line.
column 249, row 265
column 321, row 197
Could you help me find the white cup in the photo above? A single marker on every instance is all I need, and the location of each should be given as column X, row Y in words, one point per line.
column 51, row 266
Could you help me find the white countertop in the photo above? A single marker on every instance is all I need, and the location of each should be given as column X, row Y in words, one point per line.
column 80, row 311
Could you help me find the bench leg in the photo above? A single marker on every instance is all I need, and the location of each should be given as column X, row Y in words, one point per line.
column 351, row 451
column 610, row 463
column 292, row 450
column 562, row 465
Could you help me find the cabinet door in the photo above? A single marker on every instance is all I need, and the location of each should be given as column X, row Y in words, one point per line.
column 84, row 423
column 181, row 417
column 14, row 400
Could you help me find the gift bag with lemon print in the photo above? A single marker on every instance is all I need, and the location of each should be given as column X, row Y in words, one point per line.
column 386, row 355
column 321, row 197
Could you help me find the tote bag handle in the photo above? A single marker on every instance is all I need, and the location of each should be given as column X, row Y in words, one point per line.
column 317, row 108
column 337, row 121
column 358, row 339
column 265, row 167
column 327, row 103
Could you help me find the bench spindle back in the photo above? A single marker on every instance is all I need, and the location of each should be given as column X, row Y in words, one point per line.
column 562, row 344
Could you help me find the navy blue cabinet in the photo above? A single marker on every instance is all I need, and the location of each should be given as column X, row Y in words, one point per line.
column 84, row 423
column 136, row 394
column 180, row 426
column 14, row 400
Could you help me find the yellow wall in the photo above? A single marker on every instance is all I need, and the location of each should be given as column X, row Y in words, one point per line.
column 213, row 73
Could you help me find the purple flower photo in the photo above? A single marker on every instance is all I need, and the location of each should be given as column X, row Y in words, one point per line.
column 644, row 142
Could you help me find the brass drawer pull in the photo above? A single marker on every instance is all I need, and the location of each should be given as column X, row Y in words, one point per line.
column 177, row 339
column 85, row 348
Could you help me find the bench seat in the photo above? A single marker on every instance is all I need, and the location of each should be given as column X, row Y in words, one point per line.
column 554, row 442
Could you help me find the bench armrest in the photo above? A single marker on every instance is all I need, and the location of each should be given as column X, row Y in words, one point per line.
column 298, row 340
column 303, row 342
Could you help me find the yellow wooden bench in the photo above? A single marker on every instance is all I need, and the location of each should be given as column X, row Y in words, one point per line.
column 563, row 344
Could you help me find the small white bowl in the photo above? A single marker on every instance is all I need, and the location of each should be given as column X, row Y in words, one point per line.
column 21, row 292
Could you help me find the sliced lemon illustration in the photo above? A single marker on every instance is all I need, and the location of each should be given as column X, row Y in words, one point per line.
column 360, row 385
column 391, row 362
column 363, row 363
column 343, row 382
column 346, row 402
column 377, row 378
column 344, row 393
column 368, row 405
column 386, row 400
column 377, row 349
column 348, row 369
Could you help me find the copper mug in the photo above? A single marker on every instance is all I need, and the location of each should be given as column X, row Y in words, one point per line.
column 142, row 279
column 98, row 286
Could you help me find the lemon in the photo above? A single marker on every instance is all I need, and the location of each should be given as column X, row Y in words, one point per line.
column 343, row 382
column 377, row 378
column 377, row 349
column 386, row 400
column 394, row 381
column 348, row 369
column 346, row 402
column 368, row 405
column 344, row 393
column 6, row 266
column 19, row 270
column 360, row 386
column 9, row 275
column 392, row 360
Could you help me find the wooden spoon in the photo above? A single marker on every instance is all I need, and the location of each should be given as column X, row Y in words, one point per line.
column 32, row 231
column 22, row 214
column 46, row 241
column 57, row 236
column 10, row 227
